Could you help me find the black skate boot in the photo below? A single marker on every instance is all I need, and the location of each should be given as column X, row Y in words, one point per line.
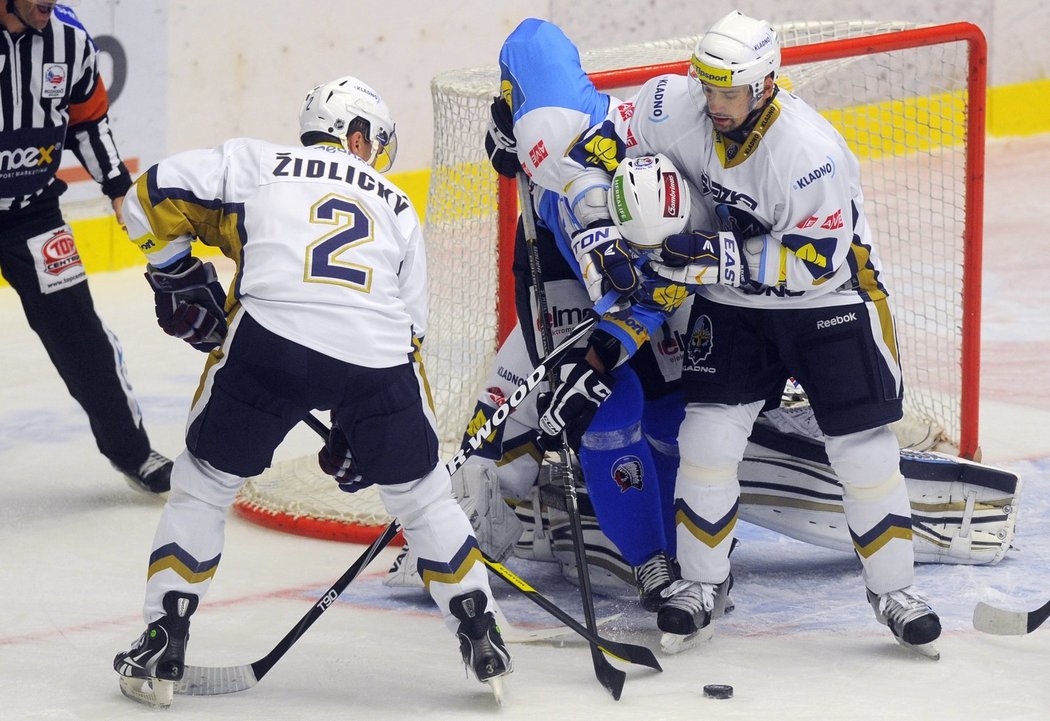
column 153, row 475
column 654, row 576
column 687, row 610
column 480, row 642
column 910, row 619
column 155, row 661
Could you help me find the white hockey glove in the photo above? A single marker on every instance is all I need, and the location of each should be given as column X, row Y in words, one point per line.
column 573, row 405
column 702, row 258
column 189, row 302
column 500, row 144
column 335, row 459
column 605, row 260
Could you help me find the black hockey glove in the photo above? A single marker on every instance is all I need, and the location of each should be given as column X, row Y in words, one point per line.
column 702, row 258
column 573, row 405
column 189, row 302
column 500, row 144
column 606, row 262
column 336, row 460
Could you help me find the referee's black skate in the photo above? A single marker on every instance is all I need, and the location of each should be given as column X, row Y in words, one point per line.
column 153, row 475
column 480, row 642
column 910, row 619
column 156, row 660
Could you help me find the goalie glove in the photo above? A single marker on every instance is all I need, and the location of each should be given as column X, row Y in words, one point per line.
column 500, row 144
column 572, row 406
column 702, row 258
column 605, row 260
column 335, row 459
column 189, row 302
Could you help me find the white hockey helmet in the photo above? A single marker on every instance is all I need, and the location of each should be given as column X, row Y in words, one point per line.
column 331, row 107
column 649, row 200
column 736, row 51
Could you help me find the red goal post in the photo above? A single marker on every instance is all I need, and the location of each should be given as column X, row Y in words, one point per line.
column 909, row 100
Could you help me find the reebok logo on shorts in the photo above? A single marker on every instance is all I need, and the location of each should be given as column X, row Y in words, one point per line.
column 837, row 320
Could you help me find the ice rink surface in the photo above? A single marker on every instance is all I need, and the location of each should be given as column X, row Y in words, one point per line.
column 802, row 643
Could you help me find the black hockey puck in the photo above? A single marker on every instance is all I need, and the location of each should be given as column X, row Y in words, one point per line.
column 718, row 690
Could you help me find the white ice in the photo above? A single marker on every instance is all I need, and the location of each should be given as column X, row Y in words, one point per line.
column 802, row 643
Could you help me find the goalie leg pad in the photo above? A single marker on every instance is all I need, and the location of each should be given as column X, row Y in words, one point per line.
column 962, row 511
column 477, row 489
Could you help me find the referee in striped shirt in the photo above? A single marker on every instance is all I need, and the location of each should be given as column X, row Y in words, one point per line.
column 52, row 99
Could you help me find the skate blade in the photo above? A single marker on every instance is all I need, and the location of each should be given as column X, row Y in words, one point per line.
column 672, row 643
column 152, row 692
column 926, row 650
column 496, row 686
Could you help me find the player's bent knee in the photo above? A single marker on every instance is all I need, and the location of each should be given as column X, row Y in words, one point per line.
column 865, row 459
column 190, row 476
column 407, row 500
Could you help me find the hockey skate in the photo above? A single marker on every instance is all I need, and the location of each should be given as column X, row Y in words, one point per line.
column 653, row 577
column 687, row 610
column 152, row 476
column 910, row 618
column 155, row 661
column 480, row 642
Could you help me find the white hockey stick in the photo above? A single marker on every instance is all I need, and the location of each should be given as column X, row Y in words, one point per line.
column 1001, row 622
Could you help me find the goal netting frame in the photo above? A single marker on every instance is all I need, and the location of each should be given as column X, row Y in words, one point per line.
column 910, row 101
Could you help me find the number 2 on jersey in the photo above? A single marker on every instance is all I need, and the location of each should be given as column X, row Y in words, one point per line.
column 324, row 256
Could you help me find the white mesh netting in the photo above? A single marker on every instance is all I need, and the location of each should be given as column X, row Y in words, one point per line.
column 904, row 113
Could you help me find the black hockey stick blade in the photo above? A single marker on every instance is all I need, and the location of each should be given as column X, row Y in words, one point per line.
column 1000, row 622
column 629, row 652
column 215, row 680
column 610, row 677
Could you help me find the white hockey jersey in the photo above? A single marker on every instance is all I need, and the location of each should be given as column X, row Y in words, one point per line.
column 329, row 254
column 792, row 188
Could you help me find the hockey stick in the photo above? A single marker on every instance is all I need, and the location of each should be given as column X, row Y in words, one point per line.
column 215, row 680
column 629, row 652
column 1001, row 622
column 608, row 675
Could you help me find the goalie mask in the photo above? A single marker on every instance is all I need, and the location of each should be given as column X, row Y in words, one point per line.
column 345, row 105
column 648, row 200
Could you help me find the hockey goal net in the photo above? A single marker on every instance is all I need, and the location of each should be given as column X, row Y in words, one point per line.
column 909, row 100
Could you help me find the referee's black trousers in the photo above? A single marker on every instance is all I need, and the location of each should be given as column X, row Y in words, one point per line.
column 86, row 355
